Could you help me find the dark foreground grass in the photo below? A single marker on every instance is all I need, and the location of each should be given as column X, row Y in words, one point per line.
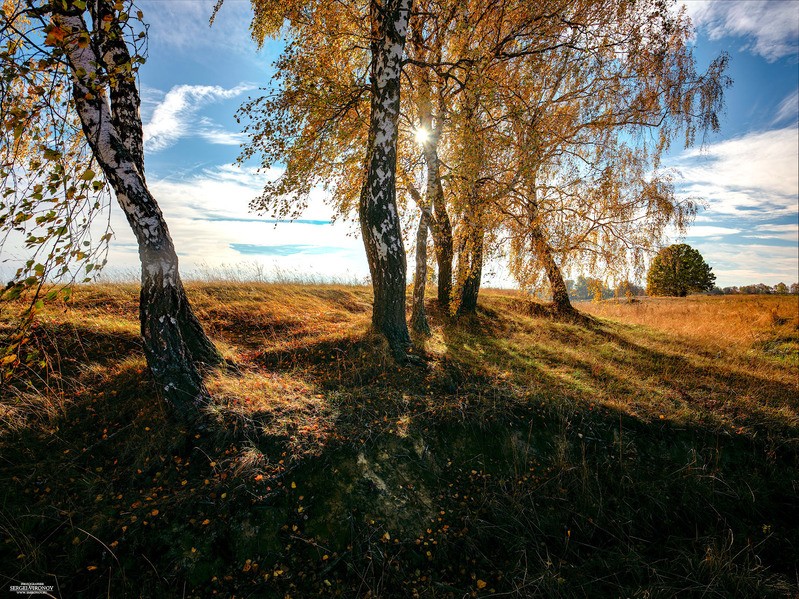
column 596, row 457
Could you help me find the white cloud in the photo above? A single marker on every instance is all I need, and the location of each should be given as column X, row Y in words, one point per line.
column 173, row 119
column 212, row 133
column 213, row 229
column 788, row 110
column 789, row 232
column 754, row 176
column 789, row 228
column 770, row 26
column 183, row 25
column 710, row 231
column 736, row 264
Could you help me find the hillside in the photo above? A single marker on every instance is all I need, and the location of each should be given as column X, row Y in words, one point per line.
column 644, row 450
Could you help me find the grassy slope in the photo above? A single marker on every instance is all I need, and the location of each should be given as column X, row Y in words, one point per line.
column 648, row 450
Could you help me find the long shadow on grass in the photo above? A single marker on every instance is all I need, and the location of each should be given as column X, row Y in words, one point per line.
column 671, row 422
column 593, row 361
column 530, row 456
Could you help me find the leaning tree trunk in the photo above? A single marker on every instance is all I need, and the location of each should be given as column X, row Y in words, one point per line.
column 379, row 218
column 418, row 314
column 174, row 341
column 560, row 294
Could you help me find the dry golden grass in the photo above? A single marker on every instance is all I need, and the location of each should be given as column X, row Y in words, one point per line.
column 644, row 448
column 715, row 321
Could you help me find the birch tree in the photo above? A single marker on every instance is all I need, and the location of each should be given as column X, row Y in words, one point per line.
column 588, row 127
column 543, row 123
column 374, row 33
column 379, row 217
column 83, row 48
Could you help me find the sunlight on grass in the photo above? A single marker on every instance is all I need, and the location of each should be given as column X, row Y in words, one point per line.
column 525, row 435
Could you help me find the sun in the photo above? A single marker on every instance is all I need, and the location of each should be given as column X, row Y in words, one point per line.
column 422, row 135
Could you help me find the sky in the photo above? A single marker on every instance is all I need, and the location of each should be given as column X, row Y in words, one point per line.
column 197, row 76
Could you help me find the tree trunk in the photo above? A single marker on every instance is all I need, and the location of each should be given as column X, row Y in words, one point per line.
column 442, row 227
column 560, row 294
column 418, row 315
column 378, row 213
column 469, row 284
column 174, row 341
column 439, row 222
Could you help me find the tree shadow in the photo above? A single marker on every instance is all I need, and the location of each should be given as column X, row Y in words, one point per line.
column 531, row 449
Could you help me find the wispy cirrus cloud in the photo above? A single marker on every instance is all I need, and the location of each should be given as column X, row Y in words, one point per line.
column 770, row 26
column 218, row 136
column 788, row 110
column 785, row 232
column 755, row 176
column 174, row 116
column 711, row 231
column 211, row 224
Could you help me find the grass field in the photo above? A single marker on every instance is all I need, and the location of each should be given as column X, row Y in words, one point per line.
column 648, row 449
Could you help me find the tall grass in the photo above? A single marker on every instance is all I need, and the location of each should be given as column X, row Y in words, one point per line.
column 645, row 449
column 717, row 321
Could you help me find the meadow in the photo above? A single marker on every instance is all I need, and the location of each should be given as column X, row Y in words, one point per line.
column 645, row 449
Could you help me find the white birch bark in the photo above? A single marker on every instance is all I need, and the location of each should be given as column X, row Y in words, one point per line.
column 164, row 307
column 379, row 217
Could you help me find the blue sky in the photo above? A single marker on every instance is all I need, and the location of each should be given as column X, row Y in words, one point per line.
column 196, row 77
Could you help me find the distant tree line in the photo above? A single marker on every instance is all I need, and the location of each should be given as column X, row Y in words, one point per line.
column 759, row 289
column 592, row 288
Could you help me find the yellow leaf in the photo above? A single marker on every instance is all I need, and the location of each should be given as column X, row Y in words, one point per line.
column 481, row 584
column 55, row 36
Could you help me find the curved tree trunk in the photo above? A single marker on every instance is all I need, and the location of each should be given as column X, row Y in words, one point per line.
column 379, row 218
column 418, row 315
column 174, row 341
column 560, row 294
